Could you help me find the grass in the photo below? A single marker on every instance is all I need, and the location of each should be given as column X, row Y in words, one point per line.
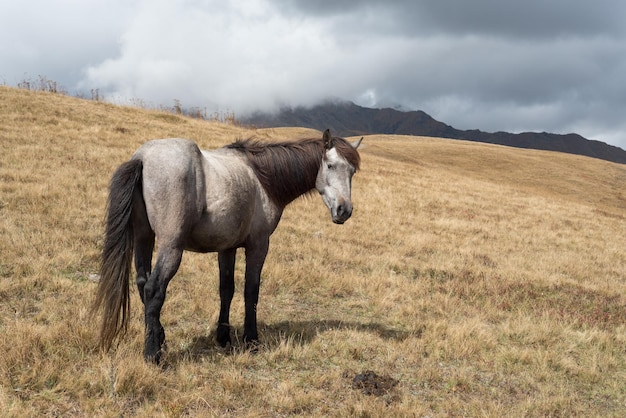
column 486, row 280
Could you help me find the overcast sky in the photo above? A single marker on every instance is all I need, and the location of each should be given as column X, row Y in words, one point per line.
column 531, row 65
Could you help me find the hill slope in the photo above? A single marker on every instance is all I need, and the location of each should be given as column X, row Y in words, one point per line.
column 348, row 119
column 485, row 280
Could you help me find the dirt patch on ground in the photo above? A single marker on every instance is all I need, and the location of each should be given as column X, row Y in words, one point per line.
column 371, row 383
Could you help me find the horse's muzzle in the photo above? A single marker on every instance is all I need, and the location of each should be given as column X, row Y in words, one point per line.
column 342, row 214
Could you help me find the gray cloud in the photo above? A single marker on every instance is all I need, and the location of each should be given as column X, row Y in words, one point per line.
column 493, row 65
column 534, row 19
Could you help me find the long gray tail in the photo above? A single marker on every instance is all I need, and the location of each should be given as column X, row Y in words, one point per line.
column 112, row 295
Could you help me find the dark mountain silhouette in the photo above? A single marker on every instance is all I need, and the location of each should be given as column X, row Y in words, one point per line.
column 349, row 119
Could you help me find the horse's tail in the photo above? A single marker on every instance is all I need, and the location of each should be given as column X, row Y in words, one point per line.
column 112, row 295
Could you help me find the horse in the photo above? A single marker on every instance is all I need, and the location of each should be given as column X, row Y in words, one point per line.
column 187, row 199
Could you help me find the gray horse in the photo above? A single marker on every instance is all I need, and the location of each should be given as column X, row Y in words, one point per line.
column 208, row 201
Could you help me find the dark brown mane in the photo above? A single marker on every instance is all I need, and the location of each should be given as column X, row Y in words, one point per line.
column 289, row 169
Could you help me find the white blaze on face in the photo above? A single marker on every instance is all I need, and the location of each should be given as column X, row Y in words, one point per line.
column 334, row 181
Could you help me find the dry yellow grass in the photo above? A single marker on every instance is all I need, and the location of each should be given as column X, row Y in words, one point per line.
column 486, row 280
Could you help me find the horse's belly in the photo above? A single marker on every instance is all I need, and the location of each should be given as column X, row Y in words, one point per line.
column 218, row 232
column 211, row 243
column 209, row 247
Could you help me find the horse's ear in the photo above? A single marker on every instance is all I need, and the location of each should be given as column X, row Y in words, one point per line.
column 356, row 144
column 328, row 139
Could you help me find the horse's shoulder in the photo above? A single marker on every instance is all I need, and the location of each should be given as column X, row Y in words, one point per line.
column 226, row 162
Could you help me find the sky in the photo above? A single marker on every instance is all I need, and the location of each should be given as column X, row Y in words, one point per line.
column 495, row 65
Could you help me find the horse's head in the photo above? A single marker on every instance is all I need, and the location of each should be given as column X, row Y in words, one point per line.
column 334, row 178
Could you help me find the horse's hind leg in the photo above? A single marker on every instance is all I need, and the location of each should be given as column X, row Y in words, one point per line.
column 168, row 261
column 144, row 247
column 226, row 261
column 144, row 242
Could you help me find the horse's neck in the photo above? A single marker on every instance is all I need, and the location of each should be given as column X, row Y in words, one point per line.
column 297, row 182
column 293, row 177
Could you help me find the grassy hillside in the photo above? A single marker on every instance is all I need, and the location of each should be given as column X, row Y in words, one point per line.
column 487, row 281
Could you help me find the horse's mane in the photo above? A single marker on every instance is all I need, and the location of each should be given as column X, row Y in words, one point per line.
column 289, row 169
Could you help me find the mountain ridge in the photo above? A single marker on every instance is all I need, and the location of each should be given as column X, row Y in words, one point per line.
column 350, row 119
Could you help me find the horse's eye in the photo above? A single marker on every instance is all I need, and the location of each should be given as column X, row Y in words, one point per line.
column 330, row 166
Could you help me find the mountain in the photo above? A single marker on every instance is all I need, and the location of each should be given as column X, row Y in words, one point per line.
column 349, row 119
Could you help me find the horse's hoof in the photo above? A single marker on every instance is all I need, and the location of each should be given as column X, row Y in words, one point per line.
column 222, row 336
column 152, row 355
column 154, row 358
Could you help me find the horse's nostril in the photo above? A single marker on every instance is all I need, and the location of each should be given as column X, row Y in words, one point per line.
column 344, row 211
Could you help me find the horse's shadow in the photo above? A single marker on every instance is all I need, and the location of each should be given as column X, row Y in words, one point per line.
column 298, row 333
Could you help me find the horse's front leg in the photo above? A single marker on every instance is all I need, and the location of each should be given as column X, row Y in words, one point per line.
column 255, row 257
column 226, row 260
